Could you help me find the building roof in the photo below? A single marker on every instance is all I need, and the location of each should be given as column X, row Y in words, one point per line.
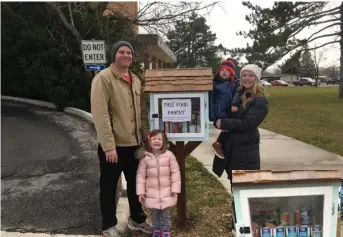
column 178, row 79
column 248, row 177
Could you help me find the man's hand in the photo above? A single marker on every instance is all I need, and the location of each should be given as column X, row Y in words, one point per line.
column 111, row 156
column 218, row 123
column 141, row 199
column 234, row 109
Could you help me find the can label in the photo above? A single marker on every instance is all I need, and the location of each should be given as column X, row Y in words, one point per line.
column 316, row 231
column 304, row 231
column 297, row 217
column 305, row 216
column 266, row 232
column 284, row 217
column 280, row 232
column 291, row 231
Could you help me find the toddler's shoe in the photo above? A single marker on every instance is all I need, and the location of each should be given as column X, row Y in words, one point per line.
column 218, row 150
column 166, row 234
column 156, row 233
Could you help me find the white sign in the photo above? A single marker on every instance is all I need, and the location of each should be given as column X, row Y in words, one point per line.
column 94, row 51
column 177, row 110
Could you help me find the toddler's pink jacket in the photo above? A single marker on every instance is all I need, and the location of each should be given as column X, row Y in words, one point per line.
column 157, row 178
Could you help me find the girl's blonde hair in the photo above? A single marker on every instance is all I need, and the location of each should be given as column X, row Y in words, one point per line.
column 256, row 91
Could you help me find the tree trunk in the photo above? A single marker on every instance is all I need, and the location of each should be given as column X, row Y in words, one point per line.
column 340, row 89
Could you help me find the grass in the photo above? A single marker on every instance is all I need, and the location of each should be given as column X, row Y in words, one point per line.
column 208, row 205
column 309, row 114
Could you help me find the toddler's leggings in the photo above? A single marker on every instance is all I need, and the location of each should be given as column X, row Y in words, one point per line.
column 160, row 219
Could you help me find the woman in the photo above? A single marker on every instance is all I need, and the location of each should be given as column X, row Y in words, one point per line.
column 241, row 146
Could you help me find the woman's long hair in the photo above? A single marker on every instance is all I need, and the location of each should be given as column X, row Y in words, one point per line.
column 257, row 91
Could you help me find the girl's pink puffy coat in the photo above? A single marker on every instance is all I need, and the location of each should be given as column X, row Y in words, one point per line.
column 158, row 178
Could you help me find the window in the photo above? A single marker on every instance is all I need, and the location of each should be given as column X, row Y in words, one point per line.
column 286, row 212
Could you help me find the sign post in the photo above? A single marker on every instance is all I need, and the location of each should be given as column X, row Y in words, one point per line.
column 94, row 54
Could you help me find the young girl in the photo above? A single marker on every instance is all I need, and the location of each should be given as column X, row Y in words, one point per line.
column 158, row 181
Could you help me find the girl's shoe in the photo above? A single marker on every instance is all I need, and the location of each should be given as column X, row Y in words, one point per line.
column 166, row 234
column 156, row 233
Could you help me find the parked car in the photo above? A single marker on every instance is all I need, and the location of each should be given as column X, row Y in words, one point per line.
column 305, row 82
column 265, row 83
column 279, row 83
column 332, row 82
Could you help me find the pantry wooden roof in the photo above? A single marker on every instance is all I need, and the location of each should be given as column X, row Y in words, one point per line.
column 178, row 80
column 248, row 177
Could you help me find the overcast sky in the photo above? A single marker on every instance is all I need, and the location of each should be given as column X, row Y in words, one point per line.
column 229, row 17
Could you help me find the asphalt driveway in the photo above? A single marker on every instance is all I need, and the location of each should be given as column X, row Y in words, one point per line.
column 49, row 172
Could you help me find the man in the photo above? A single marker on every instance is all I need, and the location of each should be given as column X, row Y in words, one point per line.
column 115, row 106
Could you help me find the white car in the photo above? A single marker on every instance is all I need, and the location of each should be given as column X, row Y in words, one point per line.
column 265, row 83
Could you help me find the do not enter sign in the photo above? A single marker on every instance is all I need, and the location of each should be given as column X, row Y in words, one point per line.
column 94, row 51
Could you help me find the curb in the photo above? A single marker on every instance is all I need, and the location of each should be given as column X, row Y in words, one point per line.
column 122, row 206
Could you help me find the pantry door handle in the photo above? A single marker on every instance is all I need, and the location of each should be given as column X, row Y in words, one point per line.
column 333, row 209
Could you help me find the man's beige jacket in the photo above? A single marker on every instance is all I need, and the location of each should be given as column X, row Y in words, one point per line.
column 116, row 109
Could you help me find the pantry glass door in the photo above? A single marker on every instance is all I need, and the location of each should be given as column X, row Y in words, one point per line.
column 298, row 209
column 180, row 115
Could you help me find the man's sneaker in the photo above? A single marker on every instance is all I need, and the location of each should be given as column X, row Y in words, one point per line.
column 166, row 234
column 145, row 227
column 157, row 233
column 218, row 149
column 111, row 232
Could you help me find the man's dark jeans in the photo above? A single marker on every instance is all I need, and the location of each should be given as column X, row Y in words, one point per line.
column 109, row 176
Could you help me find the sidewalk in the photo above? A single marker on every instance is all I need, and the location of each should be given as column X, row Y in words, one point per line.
column 277, row 152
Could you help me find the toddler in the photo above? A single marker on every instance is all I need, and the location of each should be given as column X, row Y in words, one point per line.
column 225, row 98
column 158, row 181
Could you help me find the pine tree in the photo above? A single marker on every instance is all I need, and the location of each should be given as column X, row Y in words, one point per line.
column 195, row 46
column 276, row 31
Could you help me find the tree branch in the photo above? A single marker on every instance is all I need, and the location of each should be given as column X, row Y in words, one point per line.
column 321, row 36
column 313, row 23
column 71, row 15
column 317, row 47
column 326, row 27
column 69, row 27
column 322, row 22
column 10, row 9
column 323, row 12
column 170, row 16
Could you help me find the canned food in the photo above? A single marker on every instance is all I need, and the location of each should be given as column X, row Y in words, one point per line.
column 305, row 216
column 279, row 232
column 316, row 231
column 255, row 229
column 266, row 232
column 304, row 231
column 284, row 217
column 297, row 217
column 291, row 231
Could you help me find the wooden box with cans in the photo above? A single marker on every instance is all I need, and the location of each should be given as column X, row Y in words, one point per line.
column 285, row 203
column 179, row 102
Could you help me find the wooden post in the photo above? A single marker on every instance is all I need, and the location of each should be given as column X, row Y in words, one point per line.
column 182, row 151
column 181, row 201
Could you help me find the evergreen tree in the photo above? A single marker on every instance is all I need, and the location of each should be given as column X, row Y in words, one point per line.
column 307, row 65
column 276, row 31
column 195, row 46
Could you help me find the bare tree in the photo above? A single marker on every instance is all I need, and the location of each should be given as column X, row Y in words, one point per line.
column 155, row 17
column 318, row 58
